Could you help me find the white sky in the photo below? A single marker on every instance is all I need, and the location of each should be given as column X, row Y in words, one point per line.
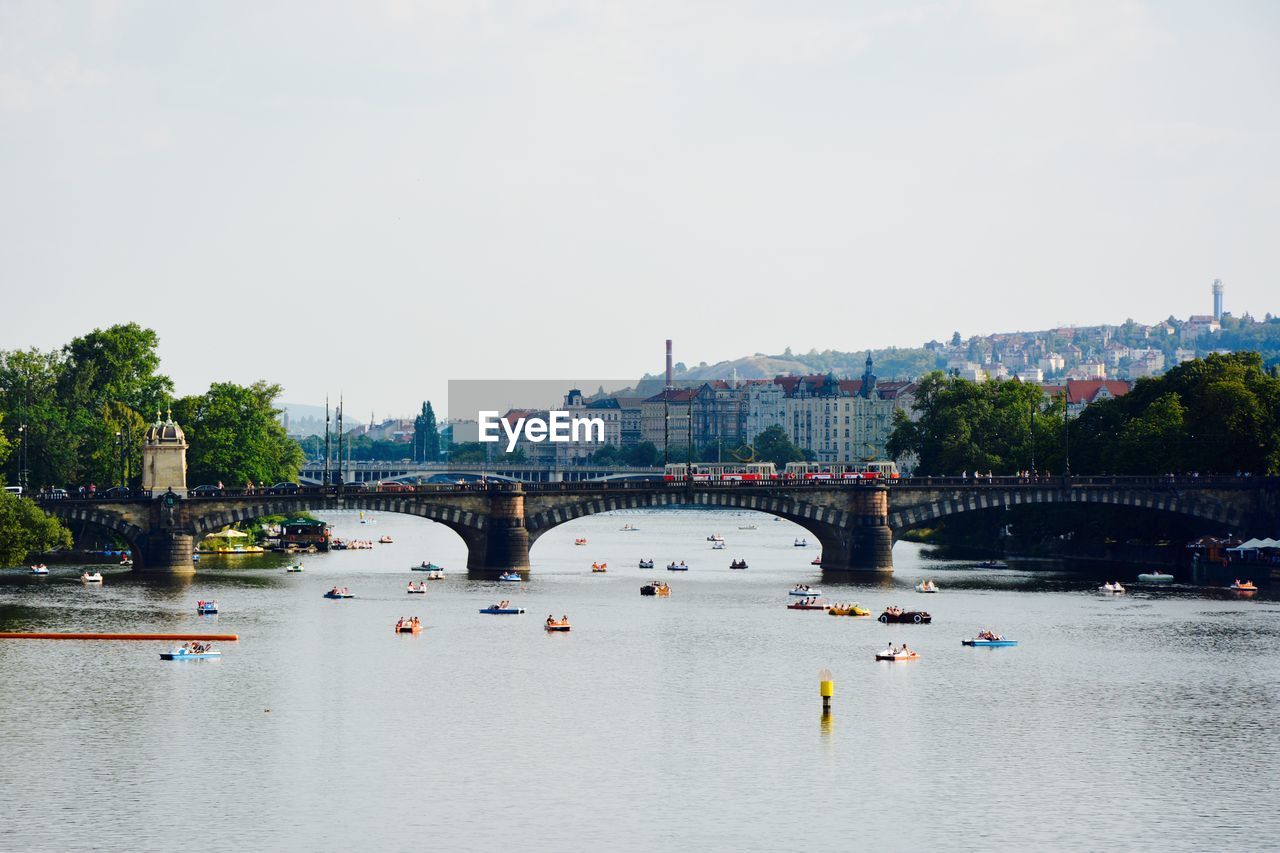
column 380, row 196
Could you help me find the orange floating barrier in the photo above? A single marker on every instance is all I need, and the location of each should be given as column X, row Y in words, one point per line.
column 16, row 635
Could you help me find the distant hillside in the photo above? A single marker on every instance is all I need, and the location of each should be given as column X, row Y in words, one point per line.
column 895, row 362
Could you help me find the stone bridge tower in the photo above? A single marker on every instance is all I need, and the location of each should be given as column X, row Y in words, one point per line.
column 164, row 457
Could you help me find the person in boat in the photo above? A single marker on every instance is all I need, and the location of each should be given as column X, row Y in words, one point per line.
column 551, row 620
column 905, row 650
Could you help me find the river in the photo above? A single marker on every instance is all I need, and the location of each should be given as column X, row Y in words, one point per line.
column 1140, row 721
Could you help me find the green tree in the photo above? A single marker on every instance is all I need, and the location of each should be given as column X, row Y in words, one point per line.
column 969, row 426
column 25, row 529
column 469, row 453
column 772, row 445
column 115, row 365
column 236, row 436
column 426, row 436
column 1219, row 414
column 642, row 455
column 29, row 398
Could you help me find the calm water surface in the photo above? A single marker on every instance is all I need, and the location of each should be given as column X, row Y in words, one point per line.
column 1141, row 722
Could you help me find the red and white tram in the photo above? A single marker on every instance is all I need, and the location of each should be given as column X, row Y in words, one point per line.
column 842, row 471
column 716, row 471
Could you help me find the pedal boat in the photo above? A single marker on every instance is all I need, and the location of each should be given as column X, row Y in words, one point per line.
column 495, row 610
column 184, row 654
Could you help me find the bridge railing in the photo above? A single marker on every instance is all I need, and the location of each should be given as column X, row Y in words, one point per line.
column 581, row 486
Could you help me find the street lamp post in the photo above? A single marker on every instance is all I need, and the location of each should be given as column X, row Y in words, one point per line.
column 22, row 457
column 120, row 455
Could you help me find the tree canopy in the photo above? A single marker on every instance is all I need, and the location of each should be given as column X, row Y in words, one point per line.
column 772, row 445
column 1219, row 414
column 426, row 435
column 979, row 426
column 236, row 436
column 25, row 528
column 72, row 401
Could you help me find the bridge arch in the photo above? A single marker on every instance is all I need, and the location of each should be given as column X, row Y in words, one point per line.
column 104, row 519
column 940, row 505
column 469, row 525
column 812, row 517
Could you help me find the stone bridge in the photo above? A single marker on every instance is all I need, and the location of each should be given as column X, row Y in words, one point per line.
column 855, row 522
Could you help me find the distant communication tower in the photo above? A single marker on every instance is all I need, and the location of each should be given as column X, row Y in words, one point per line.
column 1217, row 299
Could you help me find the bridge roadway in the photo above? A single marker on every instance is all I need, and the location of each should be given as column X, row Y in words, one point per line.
column 855, row 522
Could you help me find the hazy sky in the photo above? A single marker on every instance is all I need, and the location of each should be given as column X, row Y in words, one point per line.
column 380, row 196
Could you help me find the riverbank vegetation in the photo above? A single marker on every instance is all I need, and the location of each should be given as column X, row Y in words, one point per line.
column 1219, row 414
column 76, row 415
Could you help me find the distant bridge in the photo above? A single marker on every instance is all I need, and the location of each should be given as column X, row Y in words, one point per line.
column 855, row 522
column 407, row 471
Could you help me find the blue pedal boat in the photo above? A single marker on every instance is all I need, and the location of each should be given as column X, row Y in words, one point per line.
column 509, row 577
column 988, row 643
column 332, row 594
column 502, row 611
column 206, row 607
column 680, row 568
column 183, row 654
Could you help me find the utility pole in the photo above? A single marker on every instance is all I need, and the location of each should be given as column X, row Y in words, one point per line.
column 328, row 451
column 340, row 440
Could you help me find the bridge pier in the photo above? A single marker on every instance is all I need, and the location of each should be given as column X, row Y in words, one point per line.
column 505, row 542
column 166, row 552
column 866, row 543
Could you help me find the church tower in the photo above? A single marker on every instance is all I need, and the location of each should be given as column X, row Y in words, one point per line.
column 164, row 457
column 868, row 389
